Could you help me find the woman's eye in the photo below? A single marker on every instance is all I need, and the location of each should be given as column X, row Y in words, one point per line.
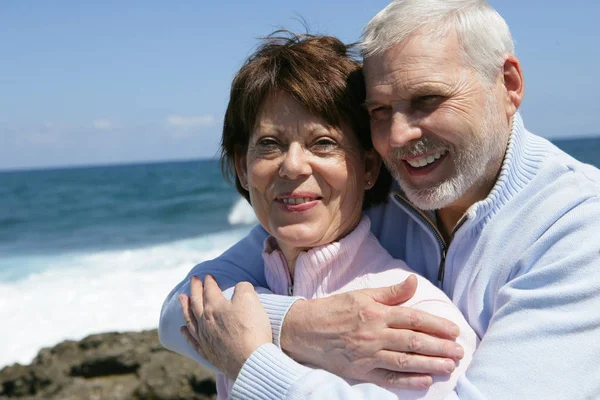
column 266, row 142
column 325, row 143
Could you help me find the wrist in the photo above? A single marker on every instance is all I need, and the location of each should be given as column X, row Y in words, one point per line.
column 237, row 362
column 277, row 308
column 267, row 369
column 294, row 326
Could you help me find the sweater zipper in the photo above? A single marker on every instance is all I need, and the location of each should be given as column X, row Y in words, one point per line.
column 436, row 232
column 290, row 288
column 442, row 267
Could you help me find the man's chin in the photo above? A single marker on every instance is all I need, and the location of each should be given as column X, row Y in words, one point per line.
column 430, row 198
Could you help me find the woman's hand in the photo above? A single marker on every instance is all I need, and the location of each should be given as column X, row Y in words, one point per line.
column 224, row 332
column 365, row 335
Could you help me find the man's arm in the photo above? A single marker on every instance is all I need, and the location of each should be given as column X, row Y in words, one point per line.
column 542, row 341
column 243, row 262
column 268, row 374
column 324, row 325
column 364, row 335
column 280, row 377
column 233, row 333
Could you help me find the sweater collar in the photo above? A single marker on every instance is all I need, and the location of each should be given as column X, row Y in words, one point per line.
column 317, row 270
column 524, row 156
column 523, row 159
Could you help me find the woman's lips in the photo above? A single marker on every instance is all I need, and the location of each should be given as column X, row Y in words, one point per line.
column 298, row 202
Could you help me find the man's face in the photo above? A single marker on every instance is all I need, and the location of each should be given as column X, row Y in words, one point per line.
column 441, row 133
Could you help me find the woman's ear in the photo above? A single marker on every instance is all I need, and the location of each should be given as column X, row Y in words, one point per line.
column 372, row 168
column 241, row 169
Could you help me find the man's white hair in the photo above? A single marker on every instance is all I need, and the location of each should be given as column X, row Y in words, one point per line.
column 483, row 34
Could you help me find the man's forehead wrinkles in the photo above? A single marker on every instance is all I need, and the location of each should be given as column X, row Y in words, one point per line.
column 407, row 84
column 405, row 70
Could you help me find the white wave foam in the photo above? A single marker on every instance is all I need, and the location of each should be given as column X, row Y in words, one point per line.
column 242, row 214
column 78, row 295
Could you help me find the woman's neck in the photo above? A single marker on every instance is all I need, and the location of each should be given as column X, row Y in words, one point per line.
column 291, row 252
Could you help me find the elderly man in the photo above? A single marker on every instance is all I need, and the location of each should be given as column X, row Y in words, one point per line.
column 501, row 219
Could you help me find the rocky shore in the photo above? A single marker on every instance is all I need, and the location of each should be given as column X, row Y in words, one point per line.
column 113, row 366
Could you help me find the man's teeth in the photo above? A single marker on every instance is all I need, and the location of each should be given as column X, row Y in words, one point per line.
column 421, row 162
column 296, row 200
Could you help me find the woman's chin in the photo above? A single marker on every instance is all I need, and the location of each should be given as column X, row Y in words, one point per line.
column 300, row 236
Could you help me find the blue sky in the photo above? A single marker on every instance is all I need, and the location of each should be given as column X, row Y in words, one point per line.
column 124, row 81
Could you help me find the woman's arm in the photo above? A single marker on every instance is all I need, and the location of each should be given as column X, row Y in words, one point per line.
column 306, row 337
column 242, row 262
column 269, row 374
column 233, row 334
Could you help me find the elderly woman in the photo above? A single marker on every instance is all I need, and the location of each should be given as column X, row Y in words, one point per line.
column 296, row 139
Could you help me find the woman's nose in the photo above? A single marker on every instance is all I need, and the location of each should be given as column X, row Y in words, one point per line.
column 295, row 163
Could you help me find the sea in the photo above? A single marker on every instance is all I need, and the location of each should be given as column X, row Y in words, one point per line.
column 95, row 249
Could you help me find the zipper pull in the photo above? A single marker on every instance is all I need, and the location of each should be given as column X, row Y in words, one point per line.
column 290, row 290
column 442, row 269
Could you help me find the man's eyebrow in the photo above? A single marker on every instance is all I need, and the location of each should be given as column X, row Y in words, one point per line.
column 423, row 89
column 369, row 103
column 429, row 89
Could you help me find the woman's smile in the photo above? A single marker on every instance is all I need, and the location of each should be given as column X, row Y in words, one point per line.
column 306, row 179
column 297, row 202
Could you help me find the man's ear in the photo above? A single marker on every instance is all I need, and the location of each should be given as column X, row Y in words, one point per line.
column 241, row 169
column 514, row 85
column 372, row 168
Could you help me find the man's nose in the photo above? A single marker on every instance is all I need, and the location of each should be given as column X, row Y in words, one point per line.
column 403, row 129
column 295, row 163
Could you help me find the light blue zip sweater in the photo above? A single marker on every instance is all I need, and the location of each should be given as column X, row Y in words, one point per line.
column 523, row 268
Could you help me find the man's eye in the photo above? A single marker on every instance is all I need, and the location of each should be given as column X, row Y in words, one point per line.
column 380, row 113
column 427, row 102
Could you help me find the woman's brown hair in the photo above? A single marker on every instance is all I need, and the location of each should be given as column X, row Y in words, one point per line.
column 321, row 73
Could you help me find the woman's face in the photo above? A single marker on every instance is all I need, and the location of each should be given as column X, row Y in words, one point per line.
column 306, row 179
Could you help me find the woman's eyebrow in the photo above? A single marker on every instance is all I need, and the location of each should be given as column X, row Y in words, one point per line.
column 268, row 128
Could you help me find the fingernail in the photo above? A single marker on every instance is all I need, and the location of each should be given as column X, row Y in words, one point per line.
column 455, row 331
column 449, row 366
column 423, row 382
column 459, row 352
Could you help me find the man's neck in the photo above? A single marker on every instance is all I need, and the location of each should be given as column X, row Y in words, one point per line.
column 447, row 219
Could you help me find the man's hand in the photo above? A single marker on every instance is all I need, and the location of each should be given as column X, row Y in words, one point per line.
column 364, row 335
column 224, row 332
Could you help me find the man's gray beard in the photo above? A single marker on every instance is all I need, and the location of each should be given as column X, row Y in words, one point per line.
column 471, row 163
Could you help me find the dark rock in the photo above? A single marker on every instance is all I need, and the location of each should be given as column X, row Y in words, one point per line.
column 113, row 366
column 160, row 379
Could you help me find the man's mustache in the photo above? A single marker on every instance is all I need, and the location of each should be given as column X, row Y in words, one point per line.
column 418, row 148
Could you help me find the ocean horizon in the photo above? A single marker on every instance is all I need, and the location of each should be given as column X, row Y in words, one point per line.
column 561, row 142
column 90, row 249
